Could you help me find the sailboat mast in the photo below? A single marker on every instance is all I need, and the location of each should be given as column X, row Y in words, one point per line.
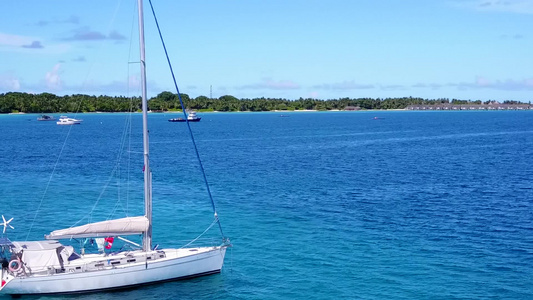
column 147, row 236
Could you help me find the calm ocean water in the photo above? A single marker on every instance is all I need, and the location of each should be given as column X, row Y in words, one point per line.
column 333, row 205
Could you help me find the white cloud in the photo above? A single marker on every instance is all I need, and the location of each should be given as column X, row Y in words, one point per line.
column 503, row 85
column 313, row 95
column 11, row 40
column 483, row 82
column 345, row 85
column 85, row 34
column 478, row 83
column 510, row 6
column 30, row 44
column 34, row 45
column 270, row 84
column 128, row 87
column 52, row 78
column 134, row 82
column 9, row 83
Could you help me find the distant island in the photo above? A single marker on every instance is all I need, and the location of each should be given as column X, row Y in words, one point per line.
column 16, row 102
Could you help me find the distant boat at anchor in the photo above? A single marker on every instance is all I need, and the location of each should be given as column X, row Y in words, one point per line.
column 64, row 120
column 191, row 117
column 46, row 118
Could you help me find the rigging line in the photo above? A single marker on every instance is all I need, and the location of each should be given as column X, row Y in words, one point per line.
column 66, row 138
column 126, row 134
column 49, row 181
column 187, row 121
column 130, row 151
column 123, row 139
column 113, row 171
column 89, row 214
column 132, row 30
column 98, row 53
column 128, row 161
column 119, row 165
column 207, row 229
column 116, row 170
column 128, row 176
column 126, row 130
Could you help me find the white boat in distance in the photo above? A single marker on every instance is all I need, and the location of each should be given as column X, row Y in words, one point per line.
column 64, row 120
column 49, row 267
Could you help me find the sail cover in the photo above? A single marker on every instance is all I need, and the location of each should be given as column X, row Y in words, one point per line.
column 124, row 226
column 40, row 255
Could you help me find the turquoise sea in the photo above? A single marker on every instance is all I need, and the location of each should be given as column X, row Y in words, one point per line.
column 318, row 205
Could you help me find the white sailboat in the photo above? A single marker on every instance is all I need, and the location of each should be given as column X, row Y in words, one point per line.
column 49, row 267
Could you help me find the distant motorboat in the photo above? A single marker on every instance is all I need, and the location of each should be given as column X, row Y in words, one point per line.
column 191, row 117
column 176, row 120
column 46, row 118
column 64, row 120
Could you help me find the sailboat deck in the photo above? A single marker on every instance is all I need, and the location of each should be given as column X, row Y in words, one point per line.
column 97, row 262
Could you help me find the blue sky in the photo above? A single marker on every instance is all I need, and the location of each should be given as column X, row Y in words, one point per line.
column 464, row 49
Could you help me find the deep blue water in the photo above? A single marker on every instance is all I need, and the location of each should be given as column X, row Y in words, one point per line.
column 336, row 205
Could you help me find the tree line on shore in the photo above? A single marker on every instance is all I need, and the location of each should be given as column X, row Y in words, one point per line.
column 14, row 102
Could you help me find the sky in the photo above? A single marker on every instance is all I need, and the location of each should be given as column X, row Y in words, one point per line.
column 291, row 49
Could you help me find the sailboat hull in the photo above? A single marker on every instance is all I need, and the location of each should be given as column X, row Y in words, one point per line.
column 176, row 265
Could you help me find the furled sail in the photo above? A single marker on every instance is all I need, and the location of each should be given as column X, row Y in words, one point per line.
column 124, row 226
